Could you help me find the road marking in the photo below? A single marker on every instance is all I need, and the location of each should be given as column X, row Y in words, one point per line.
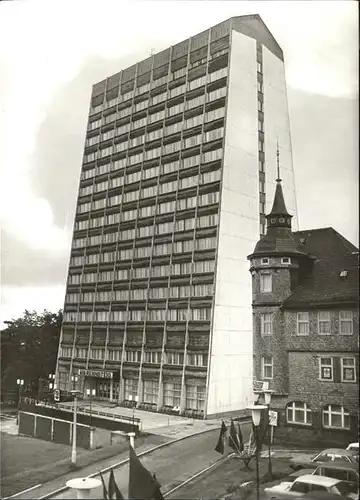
column 25, row 491
column 195, row 476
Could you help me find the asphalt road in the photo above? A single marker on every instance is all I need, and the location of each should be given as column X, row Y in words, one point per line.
column 172, row 464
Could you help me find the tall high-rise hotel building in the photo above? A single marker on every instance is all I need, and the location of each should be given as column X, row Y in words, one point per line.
column 178, row 172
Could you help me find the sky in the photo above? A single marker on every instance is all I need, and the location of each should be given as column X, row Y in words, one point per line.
column 52, row 52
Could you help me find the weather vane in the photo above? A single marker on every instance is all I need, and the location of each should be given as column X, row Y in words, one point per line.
column 152, row 51
column 278, row 161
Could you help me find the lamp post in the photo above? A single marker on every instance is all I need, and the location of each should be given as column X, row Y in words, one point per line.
column 256, row 411
column 52, row 385
column 90, row 393
column 73, row 447
column 20, row 383
column 267, row 398
column 74, row 379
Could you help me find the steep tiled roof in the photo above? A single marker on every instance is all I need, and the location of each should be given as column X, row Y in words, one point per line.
column 333, row 254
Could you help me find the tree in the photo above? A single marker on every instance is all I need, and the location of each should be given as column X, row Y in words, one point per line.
column 29, row 346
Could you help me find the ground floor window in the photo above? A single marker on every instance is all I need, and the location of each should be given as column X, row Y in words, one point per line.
column 172, row 393
column 298, row 413
column 336, row 416
column 131, row 388
column 195, row 397
column 151, row 391
column 63, row 380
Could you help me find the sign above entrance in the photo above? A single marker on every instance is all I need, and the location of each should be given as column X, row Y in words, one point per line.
column 96, row 373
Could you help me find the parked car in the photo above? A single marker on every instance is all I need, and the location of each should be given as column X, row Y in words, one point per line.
column 349, row 473
column 330, row 455
column 353, row 447
column 307, row 484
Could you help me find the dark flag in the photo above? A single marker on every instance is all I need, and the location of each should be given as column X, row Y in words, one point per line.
column 241, row 442
column 142, row 485
column 114, row 491
column 233, row 438
column 105, row 493
column 220, row 444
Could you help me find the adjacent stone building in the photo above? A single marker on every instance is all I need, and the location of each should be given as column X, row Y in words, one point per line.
column 306, row 329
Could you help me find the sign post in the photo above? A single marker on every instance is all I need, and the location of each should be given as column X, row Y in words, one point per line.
column 273, row 422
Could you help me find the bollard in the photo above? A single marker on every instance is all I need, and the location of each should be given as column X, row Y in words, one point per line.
column 83, row 486
column 132, row 439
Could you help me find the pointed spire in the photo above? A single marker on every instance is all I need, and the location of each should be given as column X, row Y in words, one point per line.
column 279, row 214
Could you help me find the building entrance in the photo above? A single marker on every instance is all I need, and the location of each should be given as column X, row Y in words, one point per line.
column 103, row 390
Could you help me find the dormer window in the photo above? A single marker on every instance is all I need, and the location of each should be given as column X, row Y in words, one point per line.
column 265, row 261
column 285, row 260
column 281, row 220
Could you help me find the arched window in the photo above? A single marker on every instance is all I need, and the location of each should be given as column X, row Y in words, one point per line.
column 336, row 416
column 298, row 413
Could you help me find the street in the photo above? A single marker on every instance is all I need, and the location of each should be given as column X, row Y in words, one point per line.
column 172, row 464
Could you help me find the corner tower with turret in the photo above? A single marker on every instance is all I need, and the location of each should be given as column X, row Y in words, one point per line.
column 275, row 268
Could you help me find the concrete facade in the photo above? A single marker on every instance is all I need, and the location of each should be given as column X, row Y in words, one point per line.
column 178, row 166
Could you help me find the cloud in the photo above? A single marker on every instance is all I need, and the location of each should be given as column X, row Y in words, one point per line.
column 325, row 143
column 23, row 266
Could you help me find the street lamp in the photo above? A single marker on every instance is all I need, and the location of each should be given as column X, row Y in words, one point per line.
column 267, row 398
column 90, row 393
column 75, row 394
column 74, row 379
column 256, row 411
column 52, row 384
column 20, row 383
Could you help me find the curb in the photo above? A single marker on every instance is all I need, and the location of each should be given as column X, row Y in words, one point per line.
column 123, row 462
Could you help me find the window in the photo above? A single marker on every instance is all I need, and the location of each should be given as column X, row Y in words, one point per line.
column 348, row 370
column 265, row 261
column 151, row 391
column 265, row 282
column 326, row 369
column 174, row 358
column 131, row 387
column 172, row 394
column 336, row 416
column 153, row 357
column 324, row 322
column 266, row 324
column 345, row 322
column 285, row 260
column 302, row 323
column 267, row 367
column 298, row 413
column 195, row 397
column 133, row 356
column 197, row 359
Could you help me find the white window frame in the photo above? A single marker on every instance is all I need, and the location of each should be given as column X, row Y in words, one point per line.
column 285, row 260
column 328, row 409
column 346, row 320
column 326, row 366
column 302, row 322
column 266, row 319
column 265, row 261
column 324, row 321
column 262, row 284
column 267, row 365
column 344, row 367
column 294, row 406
